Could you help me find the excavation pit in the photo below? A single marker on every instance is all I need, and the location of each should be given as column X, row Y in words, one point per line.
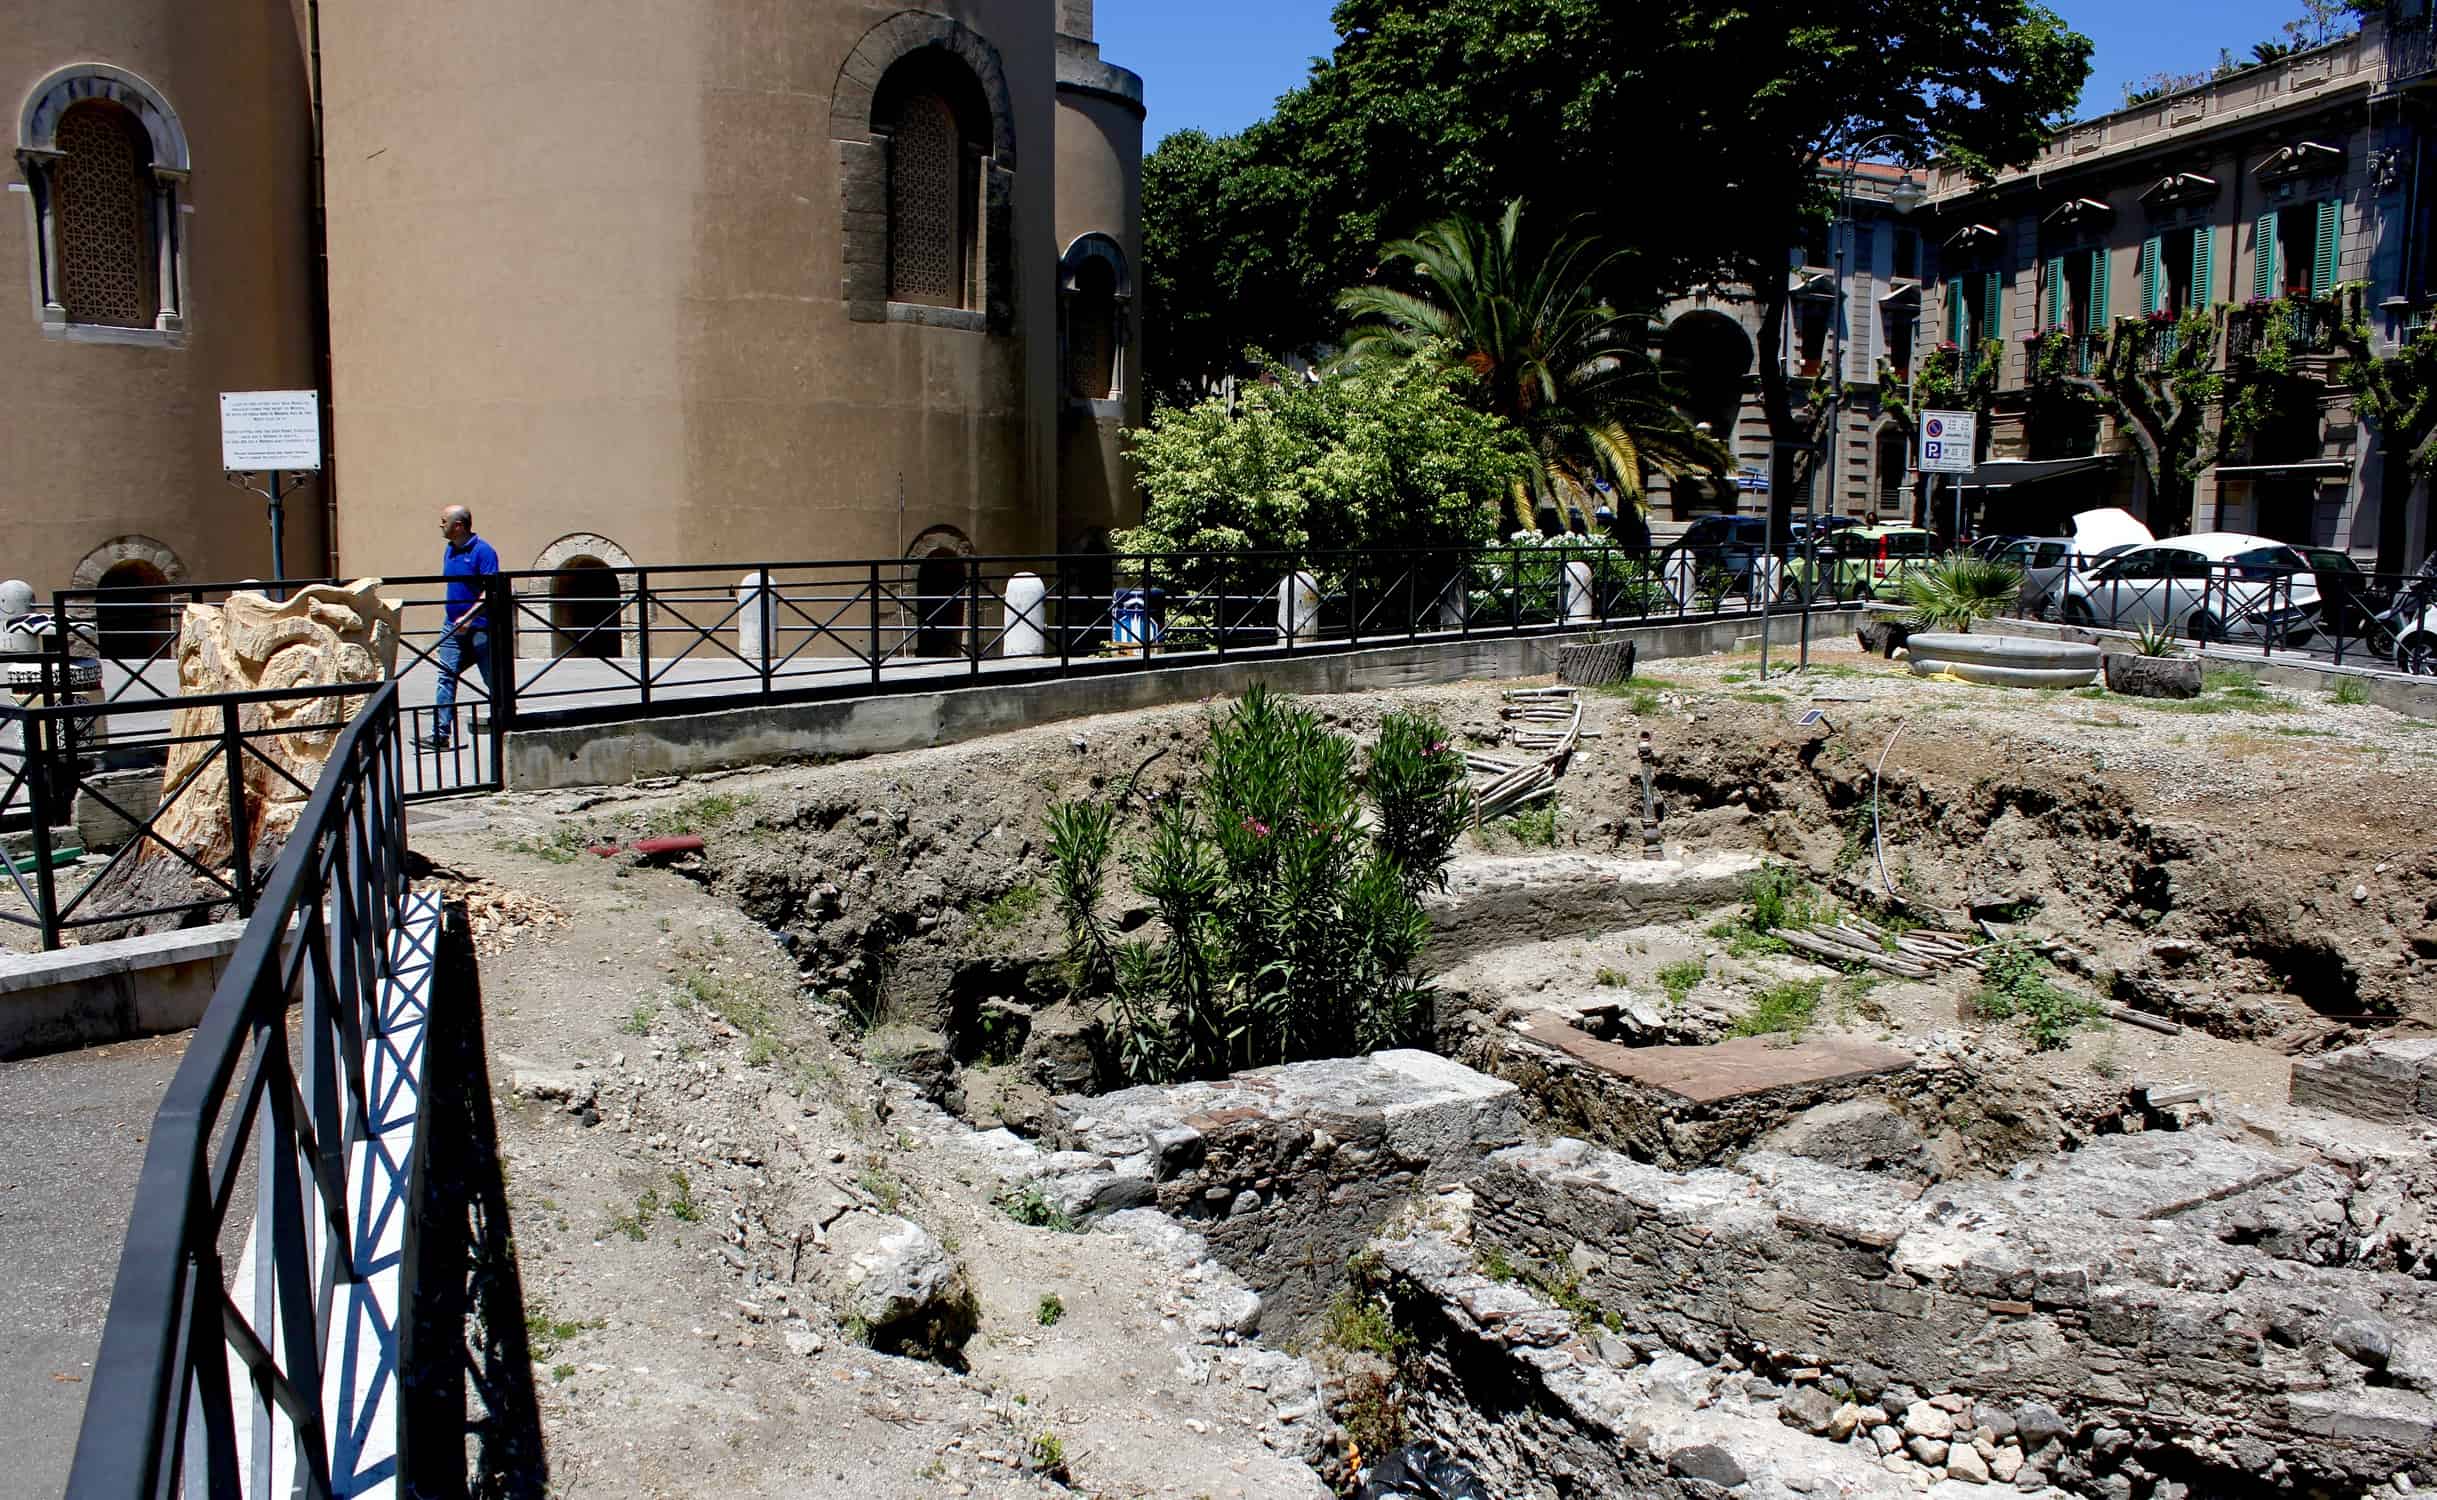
column 1445, row 1244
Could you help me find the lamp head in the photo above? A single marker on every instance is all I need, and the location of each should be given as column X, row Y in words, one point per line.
column 1907, row 193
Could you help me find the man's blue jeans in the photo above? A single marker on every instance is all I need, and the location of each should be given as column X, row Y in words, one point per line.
column 458, row 650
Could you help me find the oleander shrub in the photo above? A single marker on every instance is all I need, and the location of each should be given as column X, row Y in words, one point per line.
column 1290, row 923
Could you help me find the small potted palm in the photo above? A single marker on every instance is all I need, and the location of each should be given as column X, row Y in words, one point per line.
column 1958, row 591
column 2156, row 667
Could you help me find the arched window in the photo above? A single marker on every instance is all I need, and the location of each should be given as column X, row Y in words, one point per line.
column 105, row 159
column 930, row 110
column 104, row 208
column 1091, row 338
column 1094, row 289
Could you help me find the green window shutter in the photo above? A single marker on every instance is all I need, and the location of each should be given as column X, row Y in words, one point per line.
column 2097, row 324
column 2052, row 312
column 2200, row 266
column 2322, row 261
column 1991, row 325
column 2153, row 279
column 2263, row 257
column 1954, row 311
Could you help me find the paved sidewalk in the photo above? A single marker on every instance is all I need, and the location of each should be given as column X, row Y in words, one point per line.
column 72, row 1133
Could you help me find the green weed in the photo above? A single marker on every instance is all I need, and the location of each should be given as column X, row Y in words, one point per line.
column 559, row 846
column 2015, row 987
column 637, row 1225
column 1790, row 1008
column 1774, row 897
column 1031, row 1208
column 887, row 1191
column 1610, row 979
column 639, row 1021
column 544, row 1334
column 1051, row 1310
column 1681, row 979
column 1361, row 1324
column 1049, row 1455
column 2350, row 691
column 695, row 814
column 1534, row 826
column 682, row 1206
column 1011, row 908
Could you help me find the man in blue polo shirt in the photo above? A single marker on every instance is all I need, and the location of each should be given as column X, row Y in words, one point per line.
column 466, row 637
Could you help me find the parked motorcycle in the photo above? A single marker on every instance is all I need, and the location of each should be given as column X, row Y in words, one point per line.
column 2406, row 631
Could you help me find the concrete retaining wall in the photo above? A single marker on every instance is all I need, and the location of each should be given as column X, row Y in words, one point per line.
column 108, row 992
column 678, row 744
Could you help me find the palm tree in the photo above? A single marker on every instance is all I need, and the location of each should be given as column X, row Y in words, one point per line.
column 1564, row 367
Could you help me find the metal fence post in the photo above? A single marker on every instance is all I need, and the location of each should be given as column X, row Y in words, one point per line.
column 39, row 748
column 232, row 744
column 766, row 641
column 501, row 607
column 871, row 597
column 973, row 613
column 643, row 635
column 1066, row 607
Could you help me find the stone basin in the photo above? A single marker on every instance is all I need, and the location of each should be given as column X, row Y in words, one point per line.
column 2004, row 660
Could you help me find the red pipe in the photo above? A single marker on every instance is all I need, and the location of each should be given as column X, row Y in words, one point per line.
column 685, row 843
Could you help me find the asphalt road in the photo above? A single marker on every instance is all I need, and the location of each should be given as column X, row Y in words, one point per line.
column 72, row 1132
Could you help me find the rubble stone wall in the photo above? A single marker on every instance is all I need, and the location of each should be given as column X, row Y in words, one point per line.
column 2071, row 1282
column 1286, row 1170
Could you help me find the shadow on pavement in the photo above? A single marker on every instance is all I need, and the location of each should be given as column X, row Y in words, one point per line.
column 473, row 1421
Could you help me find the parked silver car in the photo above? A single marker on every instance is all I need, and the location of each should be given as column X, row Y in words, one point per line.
column 2213, row 586
column 2045, row 562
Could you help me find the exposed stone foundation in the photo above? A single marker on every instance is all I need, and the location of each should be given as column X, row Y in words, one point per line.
column 2073, row 1283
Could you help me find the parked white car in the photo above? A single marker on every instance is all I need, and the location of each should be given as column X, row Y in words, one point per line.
column 2213, row 586
column 2047, row 561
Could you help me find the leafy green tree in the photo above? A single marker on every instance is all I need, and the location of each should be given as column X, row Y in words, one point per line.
column 1566, row 369
column 1392, row 456
column 2398, row 394
column 1697, row 132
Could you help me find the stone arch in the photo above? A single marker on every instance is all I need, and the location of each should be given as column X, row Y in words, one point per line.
column 935, row 592
column 128, row 548
column 863, row 169
column 126, row 629
column 590, row 599
column 1095, row 293
column 38, row 119
column 1710, row 355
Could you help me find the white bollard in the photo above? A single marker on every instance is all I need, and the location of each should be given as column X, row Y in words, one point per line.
column 753, row 623
column 1298, row 605
column 1768, row 580
column 1578, row 596
column 1026, row 633
column 1455, row 603
column 1683, row 577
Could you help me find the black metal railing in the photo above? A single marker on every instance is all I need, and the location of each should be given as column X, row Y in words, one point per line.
column 133, row 633
column 139, row 816
column 275, row 1120
column 607, row 644
column 2344, row 615
column 2309, row 327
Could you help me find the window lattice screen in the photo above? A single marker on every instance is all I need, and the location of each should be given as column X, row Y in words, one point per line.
column 105, row 249
column 926, row 251
column 1091, row 336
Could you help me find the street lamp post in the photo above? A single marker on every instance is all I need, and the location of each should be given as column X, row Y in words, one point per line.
column 1904, row 197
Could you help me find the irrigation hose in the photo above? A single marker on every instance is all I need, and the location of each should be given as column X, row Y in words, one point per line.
column 1878, row 838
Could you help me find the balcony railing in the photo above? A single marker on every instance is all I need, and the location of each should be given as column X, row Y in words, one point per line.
column 2308, row 327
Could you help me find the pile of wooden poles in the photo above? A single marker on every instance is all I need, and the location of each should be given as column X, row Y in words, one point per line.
column 1857, row 940
column 1543, row 719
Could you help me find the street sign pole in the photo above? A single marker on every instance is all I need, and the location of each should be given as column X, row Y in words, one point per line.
column 1950, row 445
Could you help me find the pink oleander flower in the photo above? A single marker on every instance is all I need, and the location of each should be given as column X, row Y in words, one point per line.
column 1439, row 748
column 1257, row 828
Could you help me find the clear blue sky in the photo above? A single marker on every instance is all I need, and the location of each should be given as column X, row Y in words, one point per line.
column 1219, row 66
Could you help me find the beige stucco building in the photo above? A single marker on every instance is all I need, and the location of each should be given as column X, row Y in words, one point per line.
column 636, row 282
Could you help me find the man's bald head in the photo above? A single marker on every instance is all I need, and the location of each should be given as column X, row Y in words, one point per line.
column 456, row 515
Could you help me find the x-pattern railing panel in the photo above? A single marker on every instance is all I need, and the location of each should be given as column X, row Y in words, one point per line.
column 209, row 1376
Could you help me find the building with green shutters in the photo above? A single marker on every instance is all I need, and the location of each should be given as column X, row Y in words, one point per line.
column 2157, row 313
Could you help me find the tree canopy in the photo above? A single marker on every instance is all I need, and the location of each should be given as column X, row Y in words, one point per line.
column 1692, row 133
